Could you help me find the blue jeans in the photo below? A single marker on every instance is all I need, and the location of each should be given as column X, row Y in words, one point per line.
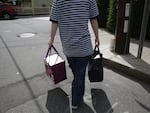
column 78, row 66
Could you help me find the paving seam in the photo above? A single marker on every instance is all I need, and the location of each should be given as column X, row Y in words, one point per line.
column 21, row 73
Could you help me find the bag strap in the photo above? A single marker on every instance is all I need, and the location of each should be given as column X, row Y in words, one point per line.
column 55, row 49
column 96, row 47
column 49, row 50
column 97, row 51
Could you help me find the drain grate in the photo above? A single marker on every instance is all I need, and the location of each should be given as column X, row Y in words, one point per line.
column 26, row 35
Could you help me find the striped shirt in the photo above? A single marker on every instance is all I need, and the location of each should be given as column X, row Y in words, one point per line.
column 72, row 17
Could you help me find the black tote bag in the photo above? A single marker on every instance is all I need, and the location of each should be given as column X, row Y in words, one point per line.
column 95, row 66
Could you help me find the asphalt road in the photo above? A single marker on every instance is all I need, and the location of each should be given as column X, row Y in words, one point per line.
column 24, row 87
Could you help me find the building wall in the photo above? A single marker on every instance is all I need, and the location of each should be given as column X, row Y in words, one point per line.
column 39, row 3
column 32, row 7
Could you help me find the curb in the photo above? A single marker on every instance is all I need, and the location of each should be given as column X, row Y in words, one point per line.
column 127, row 70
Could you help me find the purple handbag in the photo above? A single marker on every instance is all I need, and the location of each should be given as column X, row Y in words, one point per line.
column 55, row 65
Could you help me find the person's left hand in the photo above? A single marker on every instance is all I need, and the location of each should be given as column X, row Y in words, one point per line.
column 97, row 42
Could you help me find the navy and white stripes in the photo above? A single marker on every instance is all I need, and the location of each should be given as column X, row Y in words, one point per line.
column 72, row 17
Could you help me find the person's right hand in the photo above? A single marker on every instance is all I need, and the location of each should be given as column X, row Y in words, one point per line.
column 50, row 43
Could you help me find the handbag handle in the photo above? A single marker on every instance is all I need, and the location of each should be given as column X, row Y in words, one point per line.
column 97, row 51
column 96, row 47
column 49, row 50
column 49, row 53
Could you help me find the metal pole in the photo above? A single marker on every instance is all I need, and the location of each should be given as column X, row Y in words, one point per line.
column 143, row 28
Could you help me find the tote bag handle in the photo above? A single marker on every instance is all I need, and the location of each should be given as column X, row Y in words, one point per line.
column 97, row 52
column 49, row 51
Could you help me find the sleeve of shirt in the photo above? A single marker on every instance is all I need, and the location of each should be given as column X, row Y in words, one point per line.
column 93, row 9
column 53, row 13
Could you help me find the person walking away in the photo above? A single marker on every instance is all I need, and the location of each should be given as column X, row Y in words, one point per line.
column 71, row 17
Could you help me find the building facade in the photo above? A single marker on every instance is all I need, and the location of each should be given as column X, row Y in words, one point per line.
column 32, row 7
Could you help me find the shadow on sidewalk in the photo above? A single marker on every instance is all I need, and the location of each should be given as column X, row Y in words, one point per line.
column 143, row 105
column 100, row 101
column 58, row 102
column 141, row 68
column 129, row 65
column 128, row 75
